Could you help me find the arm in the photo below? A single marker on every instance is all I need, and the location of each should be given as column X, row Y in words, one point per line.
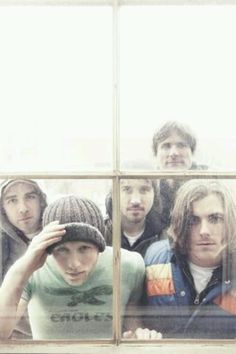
column 133, row 324
column 12, row 306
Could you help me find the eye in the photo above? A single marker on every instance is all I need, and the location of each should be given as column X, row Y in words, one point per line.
column 31, row 196
column 182, row 145
column 166, row 146
column 84, row 249
column 61, row 251
column 216, row 218
column 12, row 201
column 193, row 220
column 126, row 189
column 144, row 190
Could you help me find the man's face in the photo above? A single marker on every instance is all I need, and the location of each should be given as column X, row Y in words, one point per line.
column 22, row 207
column 75, row 260
column 206, row 233
column 136, row 199
column 174, row 153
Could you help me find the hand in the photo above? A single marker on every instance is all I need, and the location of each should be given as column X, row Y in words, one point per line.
column 36, row 253
column 142, row 333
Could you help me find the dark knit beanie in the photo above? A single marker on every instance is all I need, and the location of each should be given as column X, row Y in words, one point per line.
column 84, row 219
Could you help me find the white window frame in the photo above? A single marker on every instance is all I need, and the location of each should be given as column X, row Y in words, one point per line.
column 117, row 345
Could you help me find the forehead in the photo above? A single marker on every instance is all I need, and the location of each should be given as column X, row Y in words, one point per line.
column 136, row 183
column 18, row 189
column 174, row 137
column 210, row 204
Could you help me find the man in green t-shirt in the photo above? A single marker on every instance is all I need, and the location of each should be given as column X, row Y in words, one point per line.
column 65, row 277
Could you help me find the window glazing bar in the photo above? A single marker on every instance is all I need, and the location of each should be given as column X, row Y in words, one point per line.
column 177, row 2
column 56, row 2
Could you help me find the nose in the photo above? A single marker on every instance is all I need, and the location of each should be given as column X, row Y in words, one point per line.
column 173, row 150
column 74, row 261
column 204, row 228
column 23, row 208
column 135, row 198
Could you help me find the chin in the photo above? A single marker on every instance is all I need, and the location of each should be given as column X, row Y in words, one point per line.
column 74, row 282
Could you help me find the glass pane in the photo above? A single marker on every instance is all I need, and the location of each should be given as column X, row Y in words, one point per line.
column 190, row 264
column 65, row 273
column 139, row 206
column 178, row 64
column 56, row 79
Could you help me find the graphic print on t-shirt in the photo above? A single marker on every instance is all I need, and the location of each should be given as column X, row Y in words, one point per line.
column 85, row 297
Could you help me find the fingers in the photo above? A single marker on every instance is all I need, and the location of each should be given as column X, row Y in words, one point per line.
column 54, row 229
column 48, row 242
column 145, row 333
column 155, row 335
column 142, row 334
column 128, row 334
column 53, row 226
column 50, row 234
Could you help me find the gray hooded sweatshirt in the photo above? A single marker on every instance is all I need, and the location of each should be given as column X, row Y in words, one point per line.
column 13, row 244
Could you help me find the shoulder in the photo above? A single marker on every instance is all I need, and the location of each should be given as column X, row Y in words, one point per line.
column 131, row 260
column 127, row 257
column 159, row 251
column 196, row 166
column 4, row 237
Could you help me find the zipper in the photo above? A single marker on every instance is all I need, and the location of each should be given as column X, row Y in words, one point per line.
column 197, row 300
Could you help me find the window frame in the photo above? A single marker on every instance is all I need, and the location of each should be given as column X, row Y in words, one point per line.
column 116, row 344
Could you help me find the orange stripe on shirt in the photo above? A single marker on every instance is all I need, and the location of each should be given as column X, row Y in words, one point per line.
column 227, row 302
column 160, row 287
column 159, row 280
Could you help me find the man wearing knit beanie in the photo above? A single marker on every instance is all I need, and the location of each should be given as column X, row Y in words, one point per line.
column 22, row 203
column 66, row 277
column 85, row 219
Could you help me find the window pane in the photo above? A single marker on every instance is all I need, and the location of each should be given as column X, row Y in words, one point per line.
column 178, row 63
column 70, row 295
column 190, row 266
column 56, row 79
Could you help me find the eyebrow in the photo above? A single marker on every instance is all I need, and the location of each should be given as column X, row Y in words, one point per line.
column 214, row 213
column 59, row 247
column 10, row 196
column 6, row 197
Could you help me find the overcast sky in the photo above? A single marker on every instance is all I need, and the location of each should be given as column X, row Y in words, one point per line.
column 176, row 62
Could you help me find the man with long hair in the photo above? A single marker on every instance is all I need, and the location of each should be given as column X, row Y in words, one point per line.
column 191, row 278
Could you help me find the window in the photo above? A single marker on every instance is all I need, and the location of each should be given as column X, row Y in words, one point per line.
column 84, row 86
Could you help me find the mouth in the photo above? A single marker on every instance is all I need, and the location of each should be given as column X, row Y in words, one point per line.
column 25, row 219
column 206, row 244
column 75, row 275
column 175, row 163
column 135, row 209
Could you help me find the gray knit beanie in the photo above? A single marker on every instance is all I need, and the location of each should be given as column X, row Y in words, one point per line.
column 84, row 219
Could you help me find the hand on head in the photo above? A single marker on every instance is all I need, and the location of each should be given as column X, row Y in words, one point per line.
column 37, row 251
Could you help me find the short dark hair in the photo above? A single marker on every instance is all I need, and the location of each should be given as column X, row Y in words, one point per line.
column 167, row 129
column 156, row 201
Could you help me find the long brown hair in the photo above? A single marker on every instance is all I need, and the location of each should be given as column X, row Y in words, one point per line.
column 193, row 191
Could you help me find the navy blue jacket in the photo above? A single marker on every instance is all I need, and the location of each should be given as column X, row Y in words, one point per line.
column 175, row 308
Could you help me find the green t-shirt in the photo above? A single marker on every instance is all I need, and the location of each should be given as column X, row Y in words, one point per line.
column 58, row 310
